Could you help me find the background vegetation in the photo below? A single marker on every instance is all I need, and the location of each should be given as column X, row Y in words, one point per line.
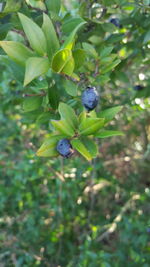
column 71, row 212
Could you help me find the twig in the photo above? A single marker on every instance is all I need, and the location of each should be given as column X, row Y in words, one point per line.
column 113, row 226
column 29, row 95
column 58, row 174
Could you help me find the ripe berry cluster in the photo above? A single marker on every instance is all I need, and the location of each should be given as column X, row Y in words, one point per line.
column 89, row 101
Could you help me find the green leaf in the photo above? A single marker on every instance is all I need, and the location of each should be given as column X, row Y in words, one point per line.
column 90, row 125
column 110, row 113
column 50, row 35
column 35, row 66
column 82, row 117
column 108, row 27
column 111, row 66
column 146, row 37
column 11, row 6
column 105, row 51
column 53, row 96
column 63, row 62
column 71, row 88
column 48, row 148
column 71, row 39
column 70, row 24
column 63, row 127
column 67, row 113
column 107, row 133
column 16, row 51
column 53, row 5
column 90, row 146
column 32, row 103
column 34, row 34
column 79, row 56
column 79, row 146
column 4, row 28
column 90, row 49
column 44, row 117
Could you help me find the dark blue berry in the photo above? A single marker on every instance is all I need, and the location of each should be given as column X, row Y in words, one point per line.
column 64, row 148
column 138, row 87
column 116, row 22
column 90, row 98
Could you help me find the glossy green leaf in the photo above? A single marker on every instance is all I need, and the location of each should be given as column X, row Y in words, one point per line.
column 48, row 148
column 67, row 113
column 71, row 38
column 50, row 35
column 79, row 56
column 90, row 125
column 109, row 113
column 63, row 127
column 71, row 87
column 63, row 62
column 35, row 66
column 32, row 103
column 107, row 133
column 34, row 34
column 90, row 146
column 80, row 147
column 16, row 51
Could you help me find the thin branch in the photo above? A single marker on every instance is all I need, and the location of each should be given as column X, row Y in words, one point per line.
column 113, row 226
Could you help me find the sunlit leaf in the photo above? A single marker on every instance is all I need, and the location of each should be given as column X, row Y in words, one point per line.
column 63, row 127
column 79, row 146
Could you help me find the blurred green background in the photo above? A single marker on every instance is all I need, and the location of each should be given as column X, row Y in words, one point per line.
column 67, row 212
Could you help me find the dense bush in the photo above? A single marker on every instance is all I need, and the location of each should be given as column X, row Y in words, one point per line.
column 91, row 209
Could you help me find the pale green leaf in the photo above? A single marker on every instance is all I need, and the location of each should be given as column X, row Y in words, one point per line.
column 107, row 133
column 17, row 51
column 90, row 125
column 50, row 35
column 35, row 66
column 79, row 146
column 63, row 127
column 90, row 146
column 34, row 34
column 90, row 49
column 71, row 87
column 109, row 113
column 48, row 148
column 68, row 114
